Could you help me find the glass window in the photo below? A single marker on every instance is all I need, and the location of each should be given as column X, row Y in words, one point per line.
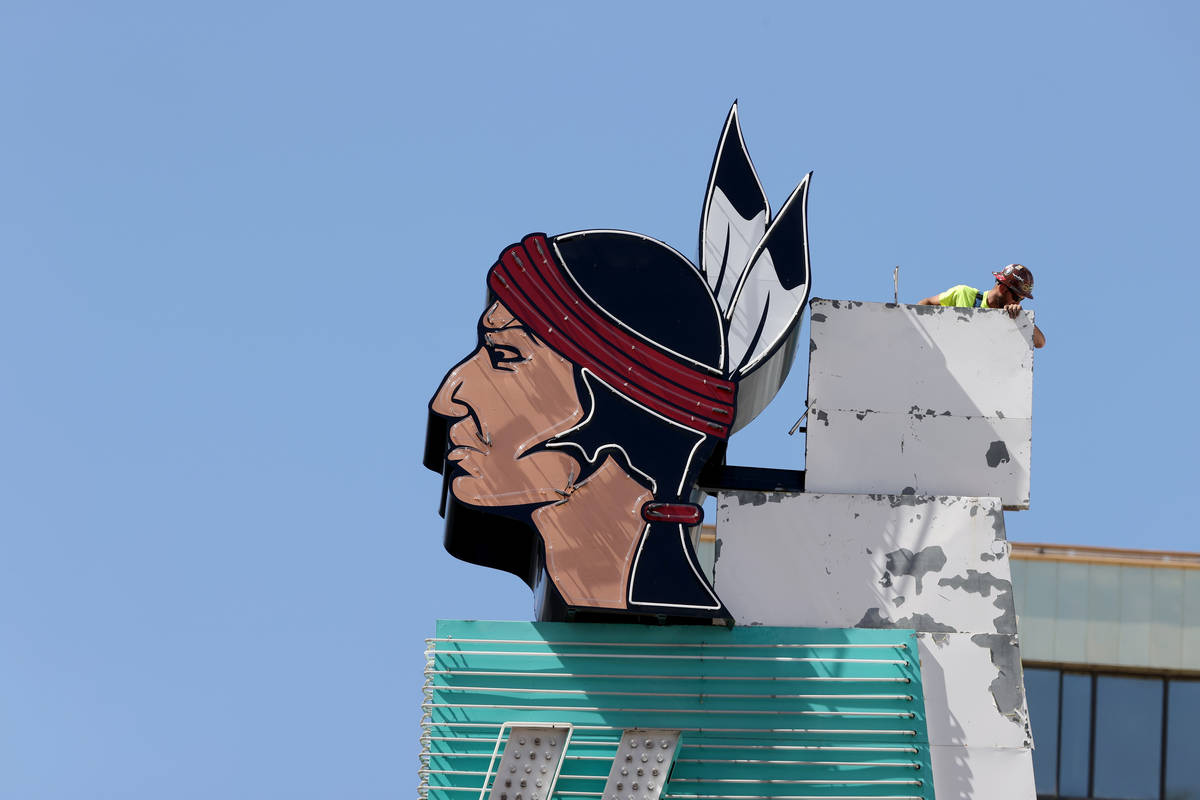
column 1041, row 694
column 1076, row 735
column 1183, row 732
column 1128, row 753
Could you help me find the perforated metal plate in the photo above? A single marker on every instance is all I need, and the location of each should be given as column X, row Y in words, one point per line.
column 642, row 765
column 531, row 762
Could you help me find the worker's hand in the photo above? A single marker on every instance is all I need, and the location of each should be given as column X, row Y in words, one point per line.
column 1013, row 309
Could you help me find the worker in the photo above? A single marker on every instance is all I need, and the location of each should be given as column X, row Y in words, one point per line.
column 1014, row 283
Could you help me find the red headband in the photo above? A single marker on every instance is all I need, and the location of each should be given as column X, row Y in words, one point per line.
column 528, row 280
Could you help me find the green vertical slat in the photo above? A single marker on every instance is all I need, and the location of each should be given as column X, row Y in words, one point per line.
column 1037, row 615
column 1133, row 642
column 1070, row 615
column 762, row 742
column 1166, row 618
column 1104, row 613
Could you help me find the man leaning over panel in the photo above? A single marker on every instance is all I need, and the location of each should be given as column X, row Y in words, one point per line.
column 1013, row 284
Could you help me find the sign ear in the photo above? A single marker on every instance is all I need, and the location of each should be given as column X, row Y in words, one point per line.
column 735, row 214
column 766, row 304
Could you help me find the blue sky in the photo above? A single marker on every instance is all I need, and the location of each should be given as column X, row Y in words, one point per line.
column 240, row 245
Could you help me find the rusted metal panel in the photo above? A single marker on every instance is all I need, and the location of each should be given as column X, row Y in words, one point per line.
column 841, row 560
column 935, row 400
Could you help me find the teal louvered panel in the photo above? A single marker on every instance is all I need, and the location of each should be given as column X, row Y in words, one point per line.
column 764, row 712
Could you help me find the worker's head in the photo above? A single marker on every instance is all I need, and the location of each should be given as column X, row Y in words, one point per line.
column 1017, row 281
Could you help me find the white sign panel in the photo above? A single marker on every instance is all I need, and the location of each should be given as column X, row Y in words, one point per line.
column 921, row 399
column 938, row 565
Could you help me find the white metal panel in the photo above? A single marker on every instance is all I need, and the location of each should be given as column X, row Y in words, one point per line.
column 936, row 564
column 894, row 453
column 974, row 690
column 840, row 560
column 980, row 773
column 977, row 718
column 935, row 399
column 969, row 361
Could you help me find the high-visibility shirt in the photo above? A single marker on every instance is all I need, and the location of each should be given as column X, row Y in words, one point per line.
column 963, row 296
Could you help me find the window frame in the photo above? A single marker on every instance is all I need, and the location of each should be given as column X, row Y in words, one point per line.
column 1167, row 678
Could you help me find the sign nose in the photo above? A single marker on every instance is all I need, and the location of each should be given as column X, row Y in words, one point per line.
column 446, row 401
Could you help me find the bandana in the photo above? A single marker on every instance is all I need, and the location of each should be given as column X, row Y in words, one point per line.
column 530, row 282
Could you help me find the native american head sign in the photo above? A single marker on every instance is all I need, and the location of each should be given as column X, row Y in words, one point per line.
column 607, row 371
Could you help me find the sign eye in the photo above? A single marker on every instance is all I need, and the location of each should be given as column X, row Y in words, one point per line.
column 501, row 355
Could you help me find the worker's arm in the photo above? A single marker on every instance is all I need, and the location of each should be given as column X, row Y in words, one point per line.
column 931, row 301
column 1039, row 338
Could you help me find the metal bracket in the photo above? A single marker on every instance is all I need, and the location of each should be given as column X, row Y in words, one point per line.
column 530, row 764
column 642, row 765
column 807, row 409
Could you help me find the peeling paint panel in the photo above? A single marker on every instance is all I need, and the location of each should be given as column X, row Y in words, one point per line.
column 977, row 773
column 937, row 565
column 903, row 397
column 974, row 690
column 936, row 455
column 839, row 560
column 905, row 357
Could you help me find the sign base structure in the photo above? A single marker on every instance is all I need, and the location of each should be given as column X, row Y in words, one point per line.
column 935, row 565
column 542, row 711
column 575, row 441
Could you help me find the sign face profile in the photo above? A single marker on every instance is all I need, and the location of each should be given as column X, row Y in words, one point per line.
column 608, row 369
